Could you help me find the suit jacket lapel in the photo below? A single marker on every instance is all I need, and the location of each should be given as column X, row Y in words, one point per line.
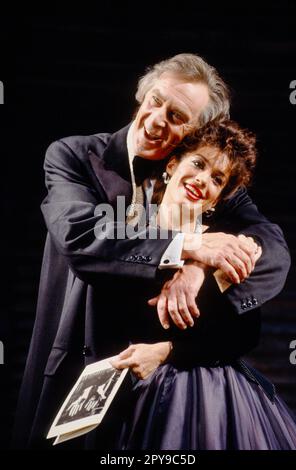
column 112, row 169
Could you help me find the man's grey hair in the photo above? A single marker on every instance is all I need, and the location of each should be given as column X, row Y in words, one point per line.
column 191, row 68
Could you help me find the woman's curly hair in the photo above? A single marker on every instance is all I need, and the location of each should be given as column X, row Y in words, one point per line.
column 228, row 137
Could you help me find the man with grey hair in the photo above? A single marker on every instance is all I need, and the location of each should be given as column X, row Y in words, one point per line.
column 193, row 69
column 175, row 96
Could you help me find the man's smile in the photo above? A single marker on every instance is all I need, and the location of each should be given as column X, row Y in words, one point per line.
column 152, row 137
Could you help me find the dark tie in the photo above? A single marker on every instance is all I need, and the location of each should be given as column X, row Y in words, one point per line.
column 144, row 168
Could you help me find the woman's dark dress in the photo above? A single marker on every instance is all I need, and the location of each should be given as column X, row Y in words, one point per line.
column 205, row 408
column 199, row 403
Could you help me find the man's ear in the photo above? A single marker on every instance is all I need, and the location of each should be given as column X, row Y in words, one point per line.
column 171, row 166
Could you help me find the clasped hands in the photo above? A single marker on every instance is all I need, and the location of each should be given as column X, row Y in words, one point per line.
column 235, row 256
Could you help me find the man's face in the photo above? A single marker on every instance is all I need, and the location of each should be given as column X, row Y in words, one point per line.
column 169, row 111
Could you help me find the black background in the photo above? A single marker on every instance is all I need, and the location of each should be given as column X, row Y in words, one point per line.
column 73, row 70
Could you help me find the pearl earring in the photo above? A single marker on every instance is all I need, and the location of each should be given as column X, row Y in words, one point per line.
column 210, row 212
column 165, row 177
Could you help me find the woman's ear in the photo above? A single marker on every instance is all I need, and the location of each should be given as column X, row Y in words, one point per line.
column 171, row 166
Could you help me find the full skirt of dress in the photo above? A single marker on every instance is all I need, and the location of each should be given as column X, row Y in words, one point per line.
column 204, row 409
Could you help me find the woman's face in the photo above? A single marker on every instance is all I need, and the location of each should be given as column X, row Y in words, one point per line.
column 198, row 177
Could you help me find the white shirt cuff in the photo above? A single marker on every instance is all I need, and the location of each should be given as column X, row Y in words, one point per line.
column 172, row 255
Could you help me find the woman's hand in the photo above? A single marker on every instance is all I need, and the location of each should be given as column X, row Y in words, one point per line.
column 143, row 359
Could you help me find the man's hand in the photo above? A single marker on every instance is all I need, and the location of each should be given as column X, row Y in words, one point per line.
column 235, row 256
column 143, row 359
column 177, row 297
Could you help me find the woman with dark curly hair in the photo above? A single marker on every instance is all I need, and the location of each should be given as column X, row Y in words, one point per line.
column 226, row 140
column 179, row 401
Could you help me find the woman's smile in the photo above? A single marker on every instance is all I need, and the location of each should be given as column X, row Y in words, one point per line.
column 193, row 192
column 197, row 177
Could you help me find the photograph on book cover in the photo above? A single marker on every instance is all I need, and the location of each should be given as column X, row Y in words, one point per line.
column 89, row 399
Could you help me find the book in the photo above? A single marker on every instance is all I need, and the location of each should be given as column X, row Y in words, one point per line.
column 87, row 402
column 222, row 280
